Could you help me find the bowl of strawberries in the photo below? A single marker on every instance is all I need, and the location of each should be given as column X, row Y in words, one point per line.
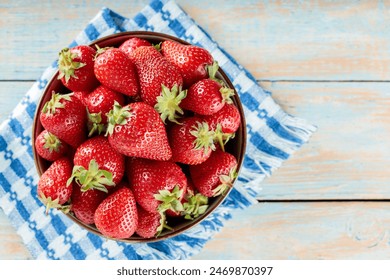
column 138, row 136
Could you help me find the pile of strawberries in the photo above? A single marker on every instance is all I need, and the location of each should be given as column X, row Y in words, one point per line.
column 140, row 137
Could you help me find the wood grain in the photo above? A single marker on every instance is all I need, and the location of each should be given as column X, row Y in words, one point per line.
column 293, row 49
column 12, row 247
column 11, row 93
column 337, row 230
column 304, row 231
column 274, row 40
column 348, row 157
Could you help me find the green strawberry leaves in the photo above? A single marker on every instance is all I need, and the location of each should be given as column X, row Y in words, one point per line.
column 168, row 103
column 195, row 206
column 91, row 178
column 67, row 65
column 52, row 143
column 226, row 182
column 55, row 102
column 118, row 115
column 169, row 200
column 204, row 137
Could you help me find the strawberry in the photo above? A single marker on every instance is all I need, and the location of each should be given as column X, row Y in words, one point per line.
column 157, row 185
column 117, row 216
column 84, row 203
column 49, row 146
column 76, row 68
column 207, row 96
column 160, row 81
column 53, row 189
column 131, row 44
column 65, row 117
column 99, row 102
column 97, row 165
column 191, row 141
column 225, row 123
column 137, row 130
column 115, row 70
column 82, row 96
column 150, row 224
column 191, row 60
column 215, row 176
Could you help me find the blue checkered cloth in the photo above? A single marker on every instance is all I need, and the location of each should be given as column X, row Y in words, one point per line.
column 273, row 135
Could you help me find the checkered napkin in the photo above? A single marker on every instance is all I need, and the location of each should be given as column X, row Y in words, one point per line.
column 273, row 136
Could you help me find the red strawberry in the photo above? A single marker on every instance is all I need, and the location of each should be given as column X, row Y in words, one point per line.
column 191, row 60
column 76, row 68
column 154, row 71
column 97, row 165
column 117, row 216
column 157, row 185
column 65, row 117
column 49, row 146
column 160, row 82
column 131, row 44
column 137, row 130
column 191, row 141
column 150, row 224
column 84, row 203
column 115, row 70
column 207, row 96
column 82, row 96
column 225, row 123
column 99, row 102
column 216, row 175
column 53, row 189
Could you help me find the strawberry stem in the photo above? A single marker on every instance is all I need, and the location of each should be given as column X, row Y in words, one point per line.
column 226, row 182
column 93, row 178
column 195, row 206
column 163, row 224
column 204, row 137
column 67, row 65
column 49, row 202
column 157, row 46
column 95, row 123
column 100, row 50
column 118, row 115
column 55, row 103
column 52, row 142
column 212, row 71
column 227, row 94
column 168, row 103
column 221, row 137
column 169, row 200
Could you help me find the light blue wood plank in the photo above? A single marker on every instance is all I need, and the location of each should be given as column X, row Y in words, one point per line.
column 304, row 231
column 285, row 231
column 348, row 156
column 314, row 40
column 12, row 247
column 11, row 93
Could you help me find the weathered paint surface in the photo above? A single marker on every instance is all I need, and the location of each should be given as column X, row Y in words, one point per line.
column 305, row 231
column 306, row 40
column 313, row 56
column 348, row 156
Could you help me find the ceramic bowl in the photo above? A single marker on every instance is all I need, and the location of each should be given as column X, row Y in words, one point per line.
column 236, row 146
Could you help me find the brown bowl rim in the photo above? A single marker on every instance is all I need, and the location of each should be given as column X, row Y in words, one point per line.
column 157, row 36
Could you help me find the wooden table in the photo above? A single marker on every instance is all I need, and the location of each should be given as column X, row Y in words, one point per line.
column 326, row 62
